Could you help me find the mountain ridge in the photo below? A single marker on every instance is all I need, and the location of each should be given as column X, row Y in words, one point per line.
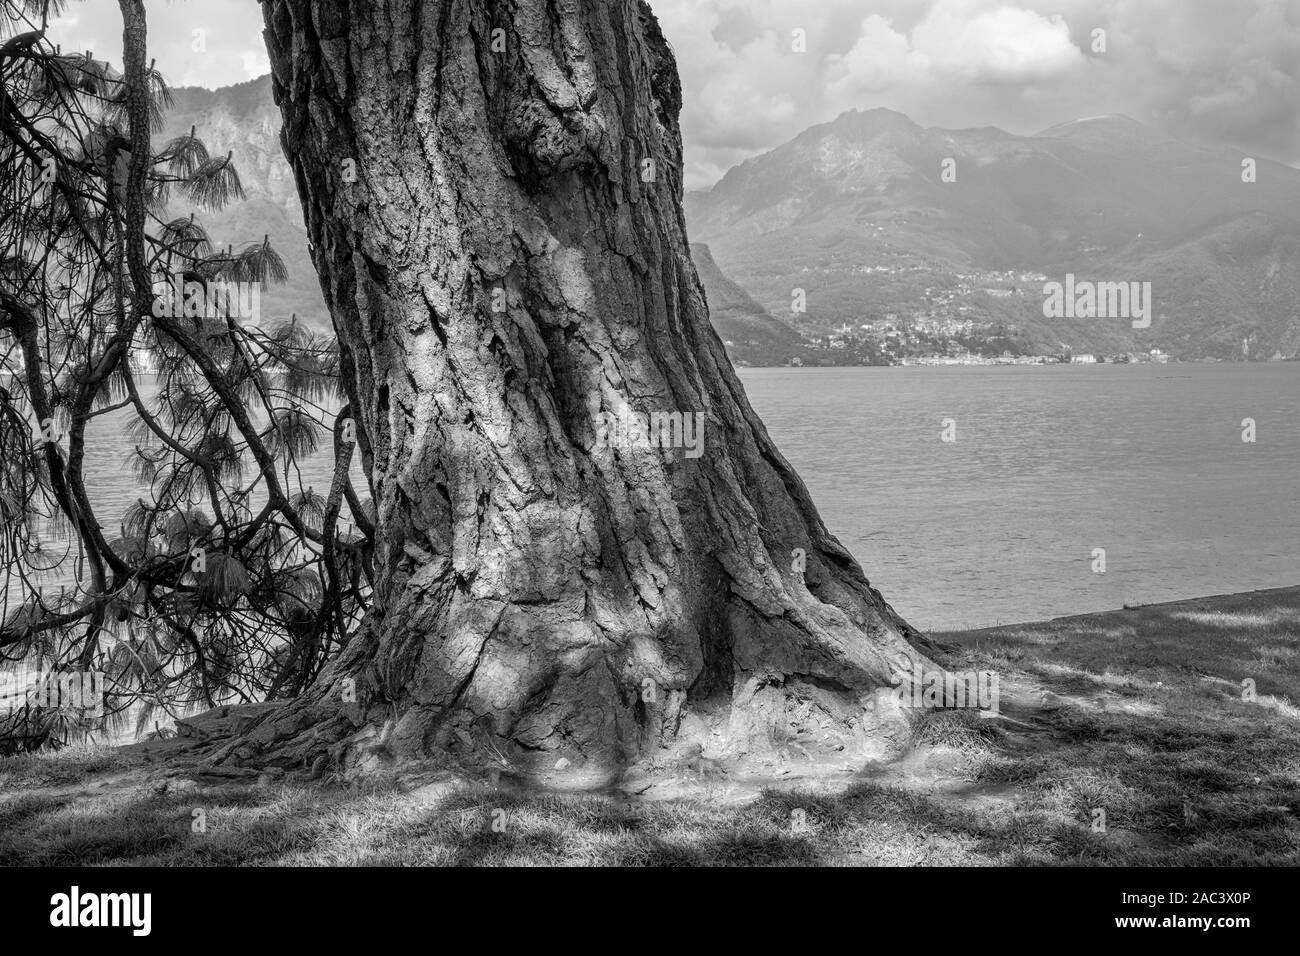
column 855, row 212
column 1106, row 197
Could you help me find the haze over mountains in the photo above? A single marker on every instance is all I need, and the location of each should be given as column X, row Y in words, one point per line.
column 244, row 119
column 855, row 213
column 753, row 336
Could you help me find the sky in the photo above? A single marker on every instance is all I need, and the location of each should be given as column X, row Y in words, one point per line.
column 755, row 73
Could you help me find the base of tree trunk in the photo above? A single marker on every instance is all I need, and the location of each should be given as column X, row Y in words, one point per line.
column 821, row 708
column 507, row 266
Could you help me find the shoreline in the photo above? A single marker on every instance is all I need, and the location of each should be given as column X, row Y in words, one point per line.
column 1234, row 598
column 1026, row 362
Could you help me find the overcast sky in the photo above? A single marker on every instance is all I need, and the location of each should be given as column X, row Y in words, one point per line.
column 1218, row 71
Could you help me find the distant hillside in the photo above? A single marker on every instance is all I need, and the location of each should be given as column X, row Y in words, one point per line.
column 855, row 213
column 751, row 334
column 243, row 119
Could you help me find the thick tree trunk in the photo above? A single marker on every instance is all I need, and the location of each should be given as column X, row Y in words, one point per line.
column 493, row 194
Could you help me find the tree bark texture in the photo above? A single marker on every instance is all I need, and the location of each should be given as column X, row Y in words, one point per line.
column 492, row 190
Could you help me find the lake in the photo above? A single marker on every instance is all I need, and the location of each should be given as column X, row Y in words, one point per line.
column 1049, row 463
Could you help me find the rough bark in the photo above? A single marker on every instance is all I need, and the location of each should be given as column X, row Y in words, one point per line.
column 541, row 596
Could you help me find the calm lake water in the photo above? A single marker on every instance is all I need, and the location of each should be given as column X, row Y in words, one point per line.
column 1049, row 462
column 1145, row 461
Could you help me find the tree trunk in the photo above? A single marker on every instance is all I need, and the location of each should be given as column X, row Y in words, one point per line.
column 493, row 195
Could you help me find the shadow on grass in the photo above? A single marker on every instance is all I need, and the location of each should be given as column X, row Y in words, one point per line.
column 1149, row 756
column 867, row 824
column 1228, row 639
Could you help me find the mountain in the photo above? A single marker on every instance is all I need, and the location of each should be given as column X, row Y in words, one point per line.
column 244, row 120
column 752, row 335
column 856, row 213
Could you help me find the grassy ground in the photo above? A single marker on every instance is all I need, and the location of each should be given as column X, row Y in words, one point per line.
column 1138, row 713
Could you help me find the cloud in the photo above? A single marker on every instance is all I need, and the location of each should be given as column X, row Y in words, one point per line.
column 228, row 49
column 882, row 57
column 1219, row 73
column 1203, row 70
column 1004, row 44
column 1209, row 70
column 957, row 43
column 1251, row 93
column 747, row 89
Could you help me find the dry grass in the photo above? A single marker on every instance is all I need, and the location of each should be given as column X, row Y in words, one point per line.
column 1146, row 722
